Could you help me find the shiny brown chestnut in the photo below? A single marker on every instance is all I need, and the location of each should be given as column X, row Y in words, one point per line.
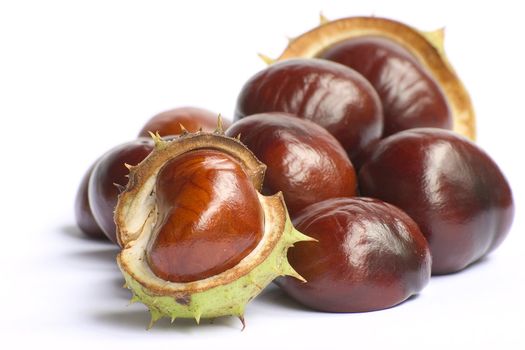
column 83, row 214
column 327, row 93
column 449, row 186
column 411, row 98
column 109, row 173
column 202, row 197
column 191, row 118
column 303, row 160
column 370, row 255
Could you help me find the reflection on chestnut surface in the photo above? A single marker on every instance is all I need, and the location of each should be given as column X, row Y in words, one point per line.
column 370, row 255
column 303, row 160
column 209, row 217
column 410, row 96
column 109, row 170
column 449, row 186
column 329, row 94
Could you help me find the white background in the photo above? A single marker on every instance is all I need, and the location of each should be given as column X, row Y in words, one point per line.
column 77, row 78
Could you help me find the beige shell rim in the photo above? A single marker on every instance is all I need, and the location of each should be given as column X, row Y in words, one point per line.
column 427, row 47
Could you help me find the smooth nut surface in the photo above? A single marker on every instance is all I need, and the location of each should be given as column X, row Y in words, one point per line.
column 449, row 186
column 411, row 98
column 329, row 94
column 303, row 160
column 209, row 217
column 370, row 255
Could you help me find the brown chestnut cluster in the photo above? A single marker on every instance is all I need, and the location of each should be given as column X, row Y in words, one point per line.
column 447, row 200
column 361, row 137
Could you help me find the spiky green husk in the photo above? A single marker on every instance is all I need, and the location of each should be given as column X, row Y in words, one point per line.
column 224, row 300
column 226, row 293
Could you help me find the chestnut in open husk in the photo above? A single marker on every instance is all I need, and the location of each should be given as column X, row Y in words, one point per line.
column 199, row 240
column 303, row 160
column 449, row 186
column 370, row 255
column 401, row 62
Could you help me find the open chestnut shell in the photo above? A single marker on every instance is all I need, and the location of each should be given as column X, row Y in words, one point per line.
column 181, row 119
column 303, row 160
column 449, row 186
column 327, row 93
column 198, row 239
column 370, row 255
column 427, row 49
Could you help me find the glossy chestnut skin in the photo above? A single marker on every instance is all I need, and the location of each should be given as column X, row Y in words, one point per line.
column 209, row 217
column 110, row 171
column 449, row 186
column 411, row 98
column 303, row 160
column 329, row 94
column 83, row 214
column 192, row 118
column 370, row 255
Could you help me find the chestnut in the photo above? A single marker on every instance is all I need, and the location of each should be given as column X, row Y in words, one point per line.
column 411, row 98
column 449, row 186
column 370, row 255
column 200, row 194
column 303, row 160
column 191, row 118
column 83, row 215
column 109, row 176
column 327, row 93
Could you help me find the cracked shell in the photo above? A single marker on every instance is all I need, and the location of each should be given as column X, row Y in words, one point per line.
column 226, row 292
